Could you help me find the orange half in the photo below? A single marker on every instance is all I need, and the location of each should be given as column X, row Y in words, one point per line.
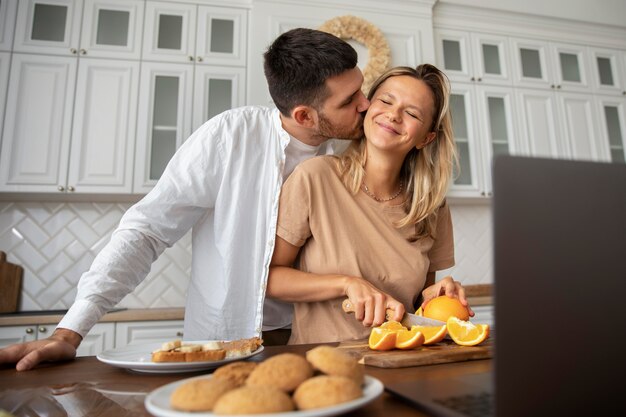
column 465, row 333
column 382, row 339
column 409, row 339
column 432, row 334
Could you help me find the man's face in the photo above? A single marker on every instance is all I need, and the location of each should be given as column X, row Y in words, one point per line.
column 340, row 115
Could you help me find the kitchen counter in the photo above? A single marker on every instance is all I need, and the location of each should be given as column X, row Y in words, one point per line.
column 87, row 387
column 478, row 295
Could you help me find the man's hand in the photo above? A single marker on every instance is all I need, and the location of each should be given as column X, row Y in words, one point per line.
column 370, row 304
column 61, row 345
column 447, row 286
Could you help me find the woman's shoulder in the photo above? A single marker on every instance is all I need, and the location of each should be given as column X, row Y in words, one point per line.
column 323, row 165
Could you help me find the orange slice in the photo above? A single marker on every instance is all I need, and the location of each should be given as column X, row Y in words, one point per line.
column 419, row 312
column 382, row 339
column 392, row 325
column 465, row 333
column 432, row 334
column 409, row 339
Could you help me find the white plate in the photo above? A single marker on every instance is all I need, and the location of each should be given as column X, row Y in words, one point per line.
column 158, row 402
column 139, row 358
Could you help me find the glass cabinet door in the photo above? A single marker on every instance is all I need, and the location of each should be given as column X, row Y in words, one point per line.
column 467, row 180
column 112, row 28
column 170, row 32
column 164, row 119
column 221, row 36
column 8, row 9
column 571, row 67
column 491, row 59
column 453, row 54
column 216, row 89
column 48, row 26
column 613, row 124
column 609, row 72
column 531, row 64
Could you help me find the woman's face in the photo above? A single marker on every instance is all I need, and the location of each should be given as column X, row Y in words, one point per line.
column 400, row 115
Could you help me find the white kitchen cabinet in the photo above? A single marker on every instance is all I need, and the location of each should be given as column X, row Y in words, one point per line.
column 100, row 338
column 475, row 57
column 50, row 105
column 216, row 89
column 485, row 125
column 539, row 122
column 5, row 62
column 181, row 33
column 8, row 8
column 551, row 65
column 612, row 114
column 110, row 28
column 136, row 332
column 609, row 71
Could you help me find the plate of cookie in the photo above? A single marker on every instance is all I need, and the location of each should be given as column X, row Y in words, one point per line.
column 180, row 356
column 325, row 382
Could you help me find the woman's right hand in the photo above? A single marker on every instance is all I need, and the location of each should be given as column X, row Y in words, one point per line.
column 61, row 345
column 370, row 304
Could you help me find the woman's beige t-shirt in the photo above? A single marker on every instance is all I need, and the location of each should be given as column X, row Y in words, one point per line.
column 341, row 233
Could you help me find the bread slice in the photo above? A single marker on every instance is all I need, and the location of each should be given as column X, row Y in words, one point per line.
column 242, row 347
column 168, row 356
column 205, row 355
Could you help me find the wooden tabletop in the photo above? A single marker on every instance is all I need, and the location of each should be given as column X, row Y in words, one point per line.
column 88, row 387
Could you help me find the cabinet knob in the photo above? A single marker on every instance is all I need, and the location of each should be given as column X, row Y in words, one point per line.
column 83, row 51
column 473, row 79
column 552, row 86
column 199, row 59
column 190, row 58
column 624, row 93
column 482, row 193
column 43, row 329
column 61, row 188
column 71, row 189
column 73, row 51
column 29, row 330
column 558, row 87
column 479, row 79
column 179, row 334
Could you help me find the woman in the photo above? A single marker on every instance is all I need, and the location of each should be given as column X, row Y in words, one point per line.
column 371, row 225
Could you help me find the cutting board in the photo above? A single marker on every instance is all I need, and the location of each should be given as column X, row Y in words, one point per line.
column 443, row 352
column 10, row 284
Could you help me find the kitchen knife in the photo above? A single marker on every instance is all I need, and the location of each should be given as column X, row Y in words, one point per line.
column 407, row 321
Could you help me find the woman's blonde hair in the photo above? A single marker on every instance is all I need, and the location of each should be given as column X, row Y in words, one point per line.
column 426, row 172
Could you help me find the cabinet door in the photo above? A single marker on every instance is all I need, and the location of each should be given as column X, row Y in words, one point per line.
column 8, row 9
column 539, row 122
column 164, row 119
column 491, row 59
column 221, row 36
column 100, row 338
column 48, row 26
column 103, row 134
column 612, row 112
column 170, row 32
column 112, row 28
column 497, row 126
column 532, row 67
column 216, row 89
column 580, row 127
column 10, row 335
column 609, row 72
column 5, row 59
column 136, row 332
column 468, row 182
column 38, row 116
column 454, row 55
column 571, row 72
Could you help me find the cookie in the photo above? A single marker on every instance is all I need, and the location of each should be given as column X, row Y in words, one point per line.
column 238, row 372
column 253, row 400
column 325, row 391
column 200, row 394
column 284, row 371
column 332, row 361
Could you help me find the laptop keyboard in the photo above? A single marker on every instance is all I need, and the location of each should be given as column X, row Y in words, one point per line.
column 479, row 405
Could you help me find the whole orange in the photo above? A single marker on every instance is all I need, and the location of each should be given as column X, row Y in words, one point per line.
column 443, row 307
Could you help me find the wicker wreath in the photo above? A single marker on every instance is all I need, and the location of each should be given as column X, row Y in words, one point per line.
column 362, row 31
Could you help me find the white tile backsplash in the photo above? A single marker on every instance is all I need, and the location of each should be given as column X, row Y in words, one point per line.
column 57, row 242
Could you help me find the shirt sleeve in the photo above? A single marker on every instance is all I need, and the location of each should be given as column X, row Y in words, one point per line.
column 294, row 209
column 186, row 190
column 441, row 255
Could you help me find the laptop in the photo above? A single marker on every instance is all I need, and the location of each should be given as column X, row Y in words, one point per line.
column 560, row 296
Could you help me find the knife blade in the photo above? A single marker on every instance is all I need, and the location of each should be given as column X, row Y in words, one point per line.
column 407, row 321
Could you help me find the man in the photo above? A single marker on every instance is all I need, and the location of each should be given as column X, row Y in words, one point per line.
column 224, row 182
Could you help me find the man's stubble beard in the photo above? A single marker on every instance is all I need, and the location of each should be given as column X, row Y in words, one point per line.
column 327, row 131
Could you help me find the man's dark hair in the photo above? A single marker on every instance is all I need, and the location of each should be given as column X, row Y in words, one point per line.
column 298, row 63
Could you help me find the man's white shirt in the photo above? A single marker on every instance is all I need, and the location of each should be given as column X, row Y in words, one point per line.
column 224, row 182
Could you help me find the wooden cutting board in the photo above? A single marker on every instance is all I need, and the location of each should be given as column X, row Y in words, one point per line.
column 10, row 284
column 444, row 352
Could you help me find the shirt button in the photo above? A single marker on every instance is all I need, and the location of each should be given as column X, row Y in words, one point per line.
column 258, row 330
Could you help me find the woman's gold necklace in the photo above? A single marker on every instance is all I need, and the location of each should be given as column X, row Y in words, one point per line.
column 381, row 200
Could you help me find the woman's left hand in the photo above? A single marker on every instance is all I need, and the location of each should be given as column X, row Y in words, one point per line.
column 447, row 286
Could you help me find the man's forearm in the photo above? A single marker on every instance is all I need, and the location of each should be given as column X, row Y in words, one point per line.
column 68, row 336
